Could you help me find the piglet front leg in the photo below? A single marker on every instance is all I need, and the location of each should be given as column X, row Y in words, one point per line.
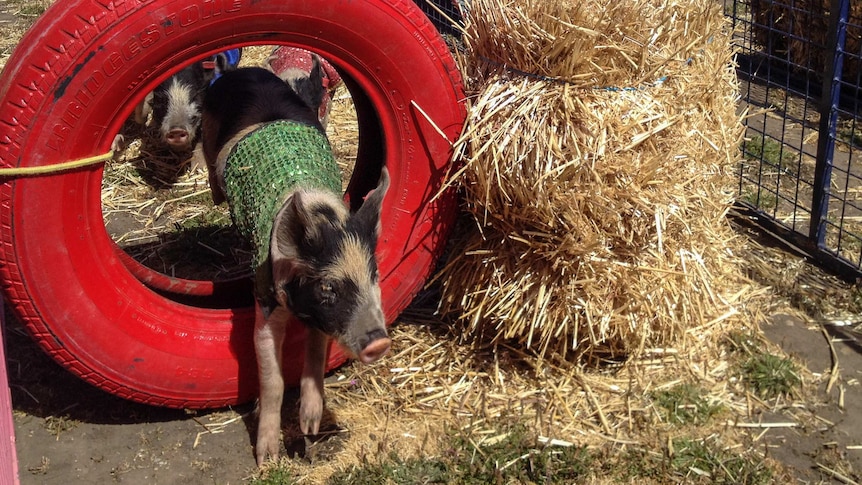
column 311, row 383
column 268, row 342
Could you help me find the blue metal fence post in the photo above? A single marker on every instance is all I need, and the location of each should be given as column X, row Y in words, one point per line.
column 838, row 15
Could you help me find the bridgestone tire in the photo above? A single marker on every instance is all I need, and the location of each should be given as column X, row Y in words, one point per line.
column 66, row 91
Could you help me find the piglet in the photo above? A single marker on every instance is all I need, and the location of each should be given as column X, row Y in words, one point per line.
column 301, row 69
column 174, row 107
column 176, row 103
column 314, row 259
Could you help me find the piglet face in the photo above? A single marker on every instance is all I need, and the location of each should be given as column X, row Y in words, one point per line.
column 325, row 270
column 177, row 107
column 346, row 307
column 340, row 295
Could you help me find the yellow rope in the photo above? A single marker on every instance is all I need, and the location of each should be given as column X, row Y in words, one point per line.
column 57, row 167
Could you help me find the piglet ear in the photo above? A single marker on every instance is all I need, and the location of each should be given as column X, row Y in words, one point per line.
column 369, row 214
column 288, row 231
column 315, row 81
column 309, row 86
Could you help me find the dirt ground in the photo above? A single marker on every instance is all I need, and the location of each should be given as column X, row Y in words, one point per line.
column 69, row 432
column 827, row 429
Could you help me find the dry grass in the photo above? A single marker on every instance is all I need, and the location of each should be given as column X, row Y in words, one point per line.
column 432, row 387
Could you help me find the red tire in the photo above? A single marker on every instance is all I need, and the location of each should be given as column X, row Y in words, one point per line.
column 66, row 91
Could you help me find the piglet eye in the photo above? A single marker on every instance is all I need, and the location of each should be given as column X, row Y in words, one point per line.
column 326, row 293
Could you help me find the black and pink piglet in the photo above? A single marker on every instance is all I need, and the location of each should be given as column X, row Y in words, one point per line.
column 268, row 157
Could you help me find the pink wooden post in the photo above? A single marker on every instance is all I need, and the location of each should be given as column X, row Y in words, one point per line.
column 8, row 456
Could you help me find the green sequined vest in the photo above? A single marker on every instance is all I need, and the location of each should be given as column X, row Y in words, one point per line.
column 265, row 166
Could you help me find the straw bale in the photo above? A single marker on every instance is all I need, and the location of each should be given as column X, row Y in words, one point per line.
column 597, row 160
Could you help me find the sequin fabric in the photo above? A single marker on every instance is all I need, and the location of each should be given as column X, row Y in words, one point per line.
column 267, row 164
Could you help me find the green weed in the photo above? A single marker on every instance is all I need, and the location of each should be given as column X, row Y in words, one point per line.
column 689, row 461
column 686, row 404
column 768, row 152
column 769, row 375
column 696, row 461
column 741, row 342
column 760, row 198
column 856, row 298
column 516, row 456
column 274, row 475
column 394, row 470
column 849, row 132
column 513, row 456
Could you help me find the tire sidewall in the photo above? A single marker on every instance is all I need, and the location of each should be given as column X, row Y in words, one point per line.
column 70, row 90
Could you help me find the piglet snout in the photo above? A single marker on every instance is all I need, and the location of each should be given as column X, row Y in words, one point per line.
column 178, row 138
column 377, row 346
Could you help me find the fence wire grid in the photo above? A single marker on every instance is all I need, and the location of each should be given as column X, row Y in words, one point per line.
column 799, row 72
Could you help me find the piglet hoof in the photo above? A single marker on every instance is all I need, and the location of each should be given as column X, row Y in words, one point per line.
column 119, row 143
column 375, row 350
column 310, row 413
column 267, row 446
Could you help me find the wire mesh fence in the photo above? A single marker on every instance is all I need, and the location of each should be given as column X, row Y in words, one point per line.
column 443, row 13
column 799, row 71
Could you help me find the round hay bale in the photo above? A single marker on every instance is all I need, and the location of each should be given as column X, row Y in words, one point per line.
column 597, row 161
